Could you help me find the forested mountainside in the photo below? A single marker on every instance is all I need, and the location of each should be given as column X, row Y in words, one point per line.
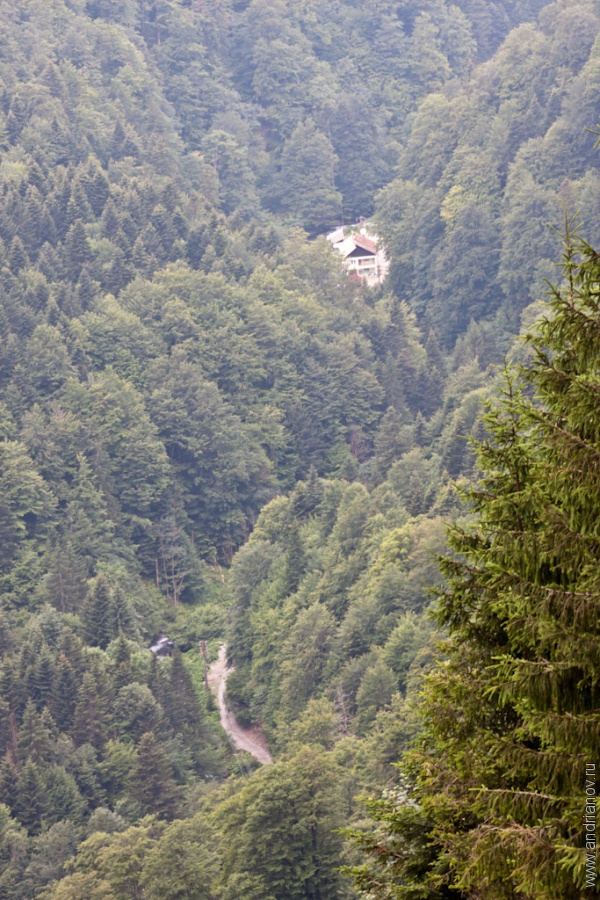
column 208, row 429
column 484, row 161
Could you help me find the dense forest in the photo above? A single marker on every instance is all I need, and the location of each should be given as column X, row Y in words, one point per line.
column 208, row 429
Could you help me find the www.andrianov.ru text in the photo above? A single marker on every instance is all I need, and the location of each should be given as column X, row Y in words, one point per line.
column 589, row 819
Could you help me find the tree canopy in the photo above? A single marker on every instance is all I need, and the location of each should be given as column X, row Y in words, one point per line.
column 211, row 434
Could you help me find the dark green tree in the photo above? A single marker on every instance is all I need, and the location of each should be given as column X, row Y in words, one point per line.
column 295, row 559
column 307, row 192
column 17, row 258
column 122, row 668
column 153, row 785
column 98, row 614
column 280, row 830
column 512, row 712
column 181, row 702
column 64, row 800
column 77, row 250
column 35, row 736
column 65, row 585
column 31, row 801
column 122, row 612
column 9, row 781
column 91, row 717
column 64, row 693
column 137, row 712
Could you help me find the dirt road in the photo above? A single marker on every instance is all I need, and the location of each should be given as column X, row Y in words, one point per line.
column 250, row 740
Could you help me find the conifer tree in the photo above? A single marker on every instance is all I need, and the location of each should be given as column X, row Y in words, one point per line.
column 91, row 717
column 76, row 249
column 9, row 781
column 86, row 770
column 44, row 676
column 6, row 635
column 64, row 800
column 122, row 614
column 36, row 178
column 78, row 207
column 30, row 231
column 96, row 186
column 48, row 262
column 64, row 693
column 117, row 275
column 110, row 221
column 181, row 701
column 295, row 560
column 512, row 713
column 31, row 800
column 122, row 673
column 90, row 528
column 73, row 649
column 17, row 256
column 153, row 783
column 5, row 726
column 98, row 614
column 156, row 680
column 87, row 287
column 35, row 736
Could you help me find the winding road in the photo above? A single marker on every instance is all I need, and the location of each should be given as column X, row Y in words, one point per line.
column 249, row 740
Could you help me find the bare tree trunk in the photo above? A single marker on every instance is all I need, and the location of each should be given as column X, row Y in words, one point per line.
column 202, row 646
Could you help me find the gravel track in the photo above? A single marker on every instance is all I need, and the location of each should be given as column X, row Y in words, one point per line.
column 249, row 740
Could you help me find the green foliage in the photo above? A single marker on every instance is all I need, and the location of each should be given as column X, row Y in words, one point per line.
column 359, row 584
column 152, row 779
column 184, row 863
column 187, row 381
column 466, row 217
column 280, row 829
column 511, row 712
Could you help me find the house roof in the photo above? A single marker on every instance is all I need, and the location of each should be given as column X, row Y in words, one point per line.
column 357, row 242
column 364, row 242
column 337, row 236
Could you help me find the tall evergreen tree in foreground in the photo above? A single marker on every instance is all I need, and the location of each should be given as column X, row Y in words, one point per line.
column 512, row 714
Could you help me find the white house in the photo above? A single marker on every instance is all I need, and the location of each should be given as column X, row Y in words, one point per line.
column 361, row 254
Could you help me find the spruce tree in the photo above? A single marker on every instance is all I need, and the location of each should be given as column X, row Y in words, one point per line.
column 9, row 781
column 87, row 288
column 91, row 719
column 31, row 800
column 78, row 207
column 511, row 715
column 64, row 800
column 123, row 670
column 181, row 701
column 5, row 726
column 76, row 250
column 17, row 256
column 30, row 231
column 123, row 617
column 295, row 559
column 35, row 736
column 153, row 784
column 157, row 681
column 85, row 768
column 6, row 635
column 117, row 144
column 96, row 186
column 118, row 273
column 44, row 676
column 98, row 614
column 64, row 693
column 73, row 649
